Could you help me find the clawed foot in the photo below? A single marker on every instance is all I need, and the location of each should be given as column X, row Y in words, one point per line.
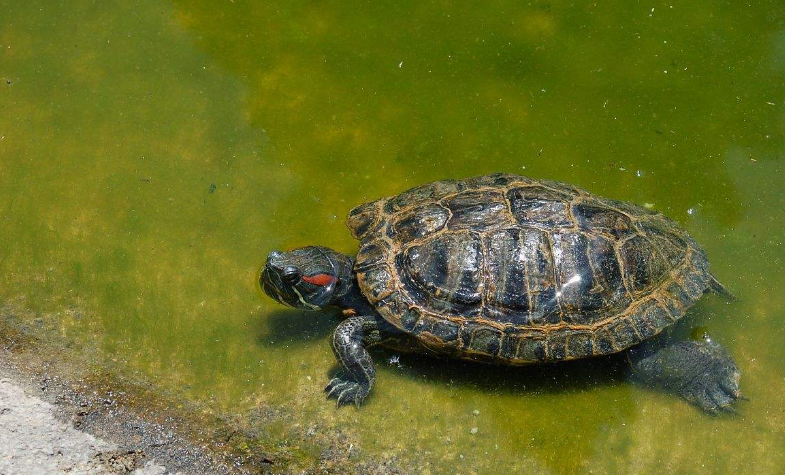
column 701, row 372
column 716, row 388
column 346, row 391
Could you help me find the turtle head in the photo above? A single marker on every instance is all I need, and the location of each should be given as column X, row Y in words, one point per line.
column 309, row 278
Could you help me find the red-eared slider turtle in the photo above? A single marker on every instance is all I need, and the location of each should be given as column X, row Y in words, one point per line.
column 509, row 270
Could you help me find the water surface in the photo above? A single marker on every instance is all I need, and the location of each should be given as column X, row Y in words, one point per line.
column 152, row 153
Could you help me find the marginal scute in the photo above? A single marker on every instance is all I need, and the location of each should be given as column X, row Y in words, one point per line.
column 420, row 222
column 579, row 344
column 677, row 291
column 540, row 206
column 594, row 218
column 695, row 284
column 532, row 349
column 428, row 193
column 477, row 210
column 409, row 318
column 445, row 330
column 363, row 219
column 629, row 208
column 509, row 347
column 557, row 346
column 393, row 303
column 370, row 255
column 486, row 341
column 603, row 342
column 624, row 335
column 565, row 188
column 648, row 318
column 503, row 268
column 378, row 281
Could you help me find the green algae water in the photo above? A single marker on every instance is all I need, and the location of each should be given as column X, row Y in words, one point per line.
column 153, row 153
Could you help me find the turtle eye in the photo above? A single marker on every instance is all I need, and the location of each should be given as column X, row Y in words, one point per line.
column 291, row 274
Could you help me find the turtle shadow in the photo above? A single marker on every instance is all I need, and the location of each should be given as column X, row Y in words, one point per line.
column 546, row 378
column 290, row 326
column 286, row 327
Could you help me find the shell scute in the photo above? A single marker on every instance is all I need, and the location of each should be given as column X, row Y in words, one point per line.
column 477, row 210
column 537, row 205
column 419, row 222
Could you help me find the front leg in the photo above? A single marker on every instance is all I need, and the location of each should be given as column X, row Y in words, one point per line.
column 357, row 374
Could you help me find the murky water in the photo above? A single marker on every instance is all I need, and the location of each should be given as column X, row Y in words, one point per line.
column 151, row 154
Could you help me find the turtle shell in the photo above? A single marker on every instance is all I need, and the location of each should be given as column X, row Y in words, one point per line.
column 508, row 269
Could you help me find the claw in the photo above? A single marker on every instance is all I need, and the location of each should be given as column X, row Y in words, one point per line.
column 333, row 382
column 338, row 387
column 731, row 387
column 344, row 398
column 722, row 400
column 729, row 409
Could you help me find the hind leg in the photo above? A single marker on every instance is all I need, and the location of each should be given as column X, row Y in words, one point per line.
column 701, row 372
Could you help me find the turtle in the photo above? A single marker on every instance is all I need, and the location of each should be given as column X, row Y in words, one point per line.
column 510, row 270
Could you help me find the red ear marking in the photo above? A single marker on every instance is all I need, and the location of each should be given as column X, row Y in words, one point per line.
column 320, row 279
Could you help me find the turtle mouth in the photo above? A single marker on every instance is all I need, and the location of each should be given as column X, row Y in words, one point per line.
column 271, row 283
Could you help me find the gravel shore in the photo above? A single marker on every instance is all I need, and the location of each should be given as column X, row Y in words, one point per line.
column 33, row 441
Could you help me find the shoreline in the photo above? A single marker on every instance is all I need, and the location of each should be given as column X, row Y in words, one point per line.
column 47, row 427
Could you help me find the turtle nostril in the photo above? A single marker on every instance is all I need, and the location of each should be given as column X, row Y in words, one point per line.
column 273, row 259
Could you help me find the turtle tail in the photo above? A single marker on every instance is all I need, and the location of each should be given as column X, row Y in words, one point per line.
column 719, row 289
